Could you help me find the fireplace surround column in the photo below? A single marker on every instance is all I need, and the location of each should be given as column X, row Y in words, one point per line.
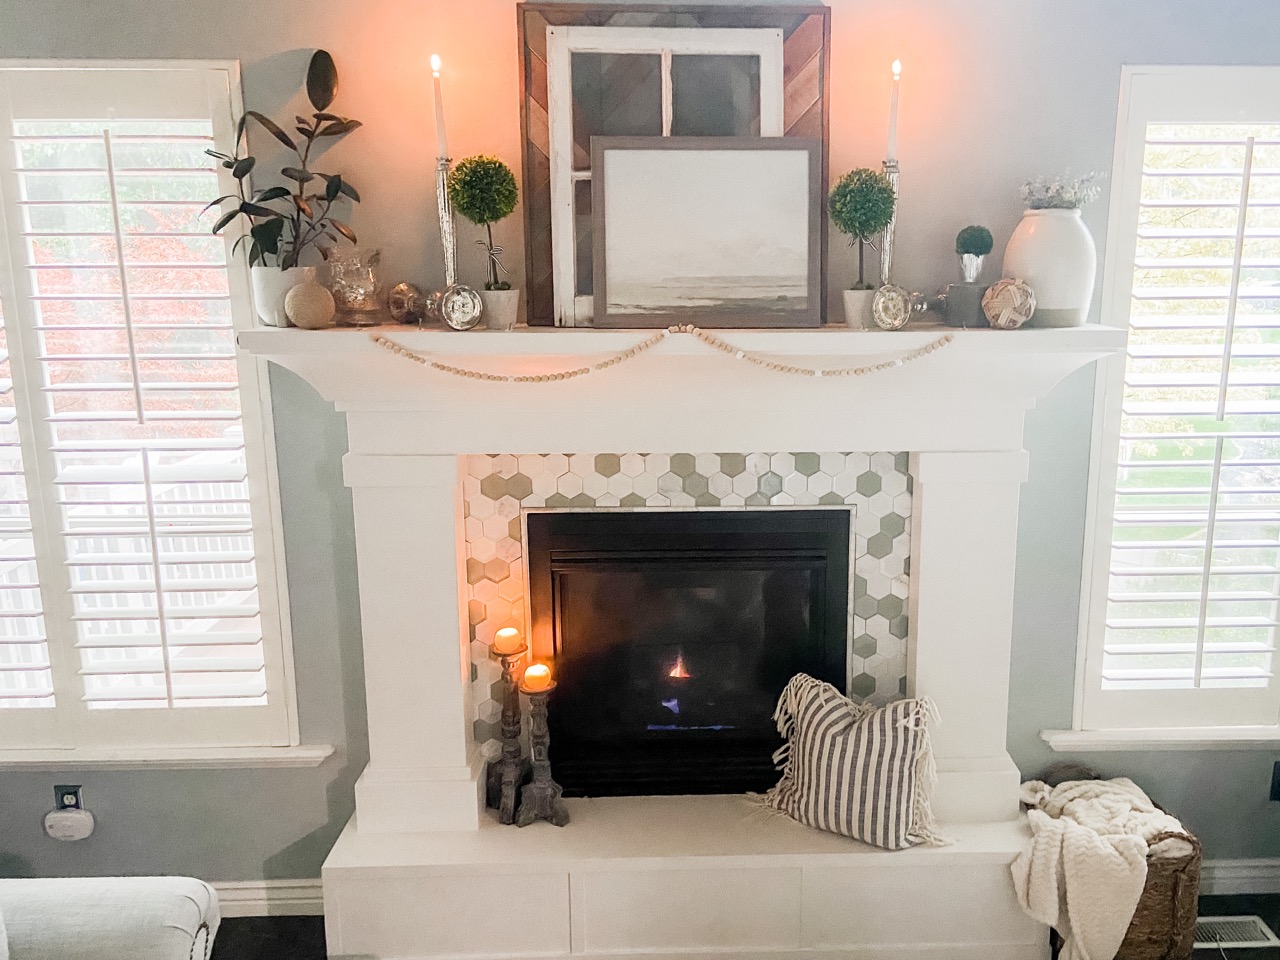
column 424, row 770
column 964, row 536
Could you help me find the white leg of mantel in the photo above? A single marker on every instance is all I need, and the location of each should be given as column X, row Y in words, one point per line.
column 963, row 548
column 424, row 770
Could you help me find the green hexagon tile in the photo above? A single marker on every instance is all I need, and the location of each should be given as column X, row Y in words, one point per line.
column 876, row 485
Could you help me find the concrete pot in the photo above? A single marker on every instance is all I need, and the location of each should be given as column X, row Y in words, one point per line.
column 501, row 308
column 857, row 309
column 270, row 284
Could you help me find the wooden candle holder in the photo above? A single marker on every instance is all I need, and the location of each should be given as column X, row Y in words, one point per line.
column 540, row 798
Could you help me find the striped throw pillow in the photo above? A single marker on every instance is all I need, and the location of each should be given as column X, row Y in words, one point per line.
column 853, row 769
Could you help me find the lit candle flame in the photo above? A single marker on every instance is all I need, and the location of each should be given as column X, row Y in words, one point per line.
column 435, row 64
column 678, row 672
column 896, row 68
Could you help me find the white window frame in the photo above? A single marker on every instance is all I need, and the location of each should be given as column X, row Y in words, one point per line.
column 1168, row 719
column 562, row 42
column 69, row 733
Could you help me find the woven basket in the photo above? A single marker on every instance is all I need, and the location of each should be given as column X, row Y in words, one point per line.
column 1164, row 923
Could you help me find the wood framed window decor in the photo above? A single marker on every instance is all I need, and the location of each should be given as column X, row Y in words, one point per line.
column 604, row 71
column 718, row 231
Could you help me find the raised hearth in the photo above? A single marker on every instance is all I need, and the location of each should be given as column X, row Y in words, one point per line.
column 673, row 635
column 422, row 872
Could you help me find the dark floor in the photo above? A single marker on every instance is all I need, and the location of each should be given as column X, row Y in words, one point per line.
column 270, row 938
column 302, row 938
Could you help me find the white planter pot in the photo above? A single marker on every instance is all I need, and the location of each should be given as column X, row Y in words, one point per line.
column 857, row 309
column 501, row 308
column 270, row 284
column 1053, row 251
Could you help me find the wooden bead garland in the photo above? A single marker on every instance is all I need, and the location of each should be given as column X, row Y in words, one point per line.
column 709, row 339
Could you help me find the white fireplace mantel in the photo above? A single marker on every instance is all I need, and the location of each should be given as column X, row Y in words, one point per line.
column 420, row 824
column 969, row 395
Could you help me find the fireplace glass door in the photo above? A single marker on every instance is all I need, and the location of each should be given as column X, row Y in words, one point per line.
column 673, row 635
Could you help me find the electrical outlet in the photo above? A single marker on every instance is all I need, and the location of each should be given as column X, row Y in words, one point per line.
column 68, row 796
column 1275, row 780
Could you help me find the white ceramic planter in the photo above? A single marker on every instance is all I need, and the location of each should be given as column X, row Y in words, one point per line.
column 857, row 309
column 501, row 308
column 1053, row 251
column 270, row 284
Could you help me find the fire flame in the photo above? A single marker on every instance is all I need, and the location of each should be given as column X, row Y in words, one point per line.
column 678, row 672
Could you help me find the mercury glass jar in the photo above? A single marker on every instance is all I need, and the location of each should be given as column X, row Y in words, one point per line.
column 356, row 288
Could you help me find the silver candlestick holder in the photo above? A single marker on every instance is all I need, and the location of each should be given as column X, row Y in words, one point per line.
column 507, row 773
column 892, row 174
column 540, row 799
column 457, row 305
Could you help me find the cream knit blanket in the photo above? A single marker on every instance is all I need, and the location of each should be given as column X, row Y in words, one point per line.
column 1087, row 863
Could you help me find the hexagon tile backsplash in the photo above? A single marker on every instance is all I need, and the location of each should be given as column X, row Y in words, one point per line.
column 876, row 485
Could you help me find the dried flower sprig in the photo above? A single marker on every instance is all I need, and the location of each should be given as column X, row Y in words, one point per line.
column 1062, row 192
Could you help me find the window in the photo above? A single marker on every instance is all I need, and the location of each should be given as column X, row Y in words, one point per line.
column 1182, row 603
column 140, row 602
column 644, row 82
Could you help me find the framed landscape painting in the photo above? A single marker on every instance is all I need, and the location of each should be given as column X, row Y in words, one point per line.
column 714, row 231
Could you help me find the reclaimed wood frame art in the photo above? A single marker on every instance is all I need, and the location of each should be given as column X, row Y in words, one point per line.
column 806, row 55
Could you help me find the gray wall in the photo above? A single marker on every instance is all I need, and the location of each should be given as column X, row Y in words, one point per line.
column 993, row 91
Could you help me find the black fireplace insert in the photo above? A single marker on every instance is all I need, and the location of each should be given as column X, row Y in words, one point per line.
column 673, row 633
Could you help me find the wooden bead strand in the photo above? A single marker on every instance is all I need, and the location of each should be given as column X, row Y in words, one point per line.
column 710, row 340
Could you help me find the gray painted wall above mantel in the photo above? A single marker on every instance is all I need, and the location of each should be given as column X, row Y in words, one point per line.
column 993, row 92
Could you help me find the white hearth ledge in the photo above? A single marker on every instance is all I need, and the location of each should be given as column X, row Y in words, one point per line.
column 165, row 758
column 1186, row 738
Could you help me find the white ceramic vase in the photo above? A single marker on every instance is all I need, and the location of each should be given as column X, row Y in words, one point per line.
column 270, row 284
column 857, row 309
column 1053, row 251
column 501, row 308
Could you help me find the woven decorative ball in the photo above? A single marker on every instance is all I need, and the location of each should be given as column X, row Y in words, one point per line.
column 1008, row 303
column 309, row 306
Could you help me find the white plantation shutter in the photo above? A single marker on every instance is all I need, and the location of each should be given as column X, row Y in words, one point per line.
column 1185, row 593
column 143, row 433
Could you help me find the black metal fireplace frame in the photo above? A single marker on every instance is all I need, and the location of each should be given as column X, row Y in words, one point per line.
column 557, row 541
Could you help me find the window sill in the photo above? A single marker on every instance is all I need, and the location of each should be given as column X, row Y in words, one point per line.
column 1188, row 738
column 166, row 758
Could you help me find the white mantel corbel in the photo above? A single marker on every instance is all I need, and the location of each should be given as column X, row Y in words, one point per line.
column 960, row 411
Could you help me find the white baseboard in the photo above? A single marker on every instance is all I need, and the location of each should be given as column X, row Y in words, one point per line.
column 270, row 898
column 1260, row 875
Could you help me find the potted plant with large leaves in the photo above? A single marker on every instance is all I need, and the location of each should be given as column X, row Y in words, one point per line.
column 483, row 189
column 861, row 205
column 290, row 225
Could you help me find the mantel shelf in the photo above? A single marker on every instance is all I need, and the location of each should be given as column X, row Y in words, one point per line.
column 972, row 394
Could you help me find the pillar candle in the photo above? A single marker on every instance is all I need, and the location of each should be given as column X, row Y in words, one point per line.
column 507, row 641
column 537, row 677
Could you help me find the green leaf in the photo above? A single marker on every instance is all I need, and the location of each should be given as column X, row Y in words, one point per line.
column 225, row 219
column 256, row 210
column 306, row 132
column 322, row 80
column 214, row 203
column 332, row 188
column 272, row 128
column 218, row 156
column 343, row 229
column 267, row 235
column 338, row 128
column 271, row 193
column 301, row 176
column 347, row 190
column 483, row 189
column 328, row 116
column 255, row 254
column 242, row 167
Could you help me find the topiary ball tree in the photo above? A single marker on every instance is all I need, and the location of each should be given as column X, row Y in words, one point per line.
column 483, row 189
column 861, row 205
column 974, row 240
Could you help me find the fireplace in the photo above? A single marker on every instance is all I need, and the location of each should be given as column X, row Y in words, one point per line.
column 673, row 634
